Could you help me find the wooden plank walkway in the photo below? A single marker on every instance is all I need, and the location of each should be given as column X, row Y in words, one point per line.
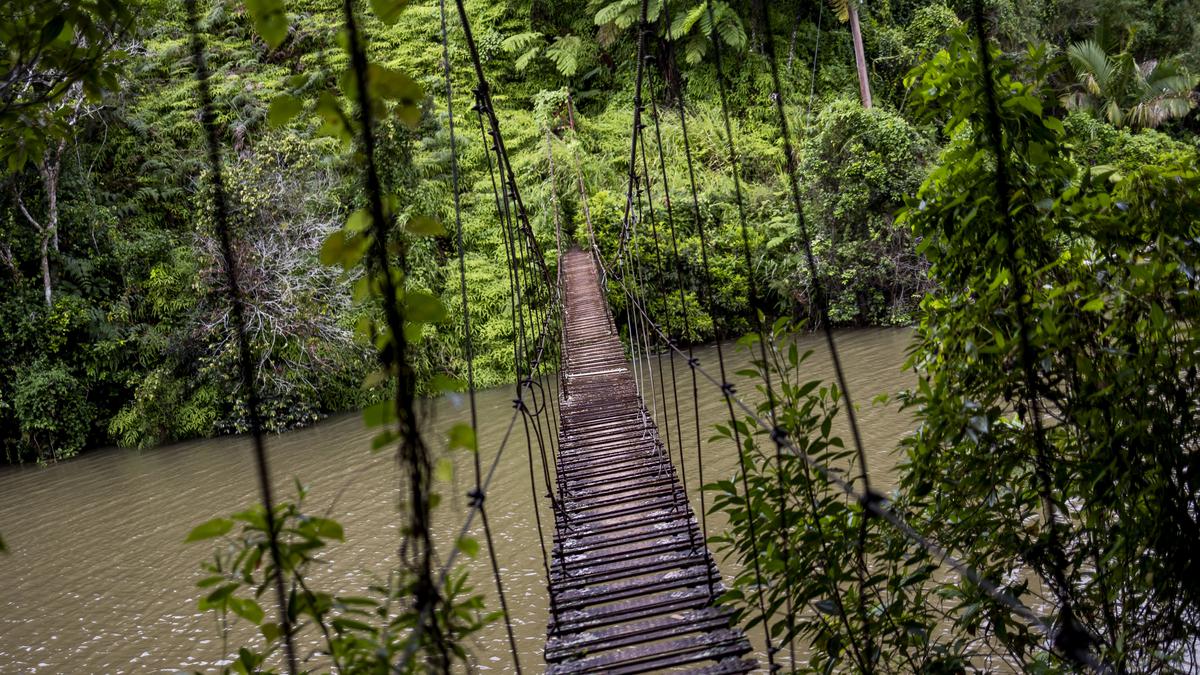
column 632, row 582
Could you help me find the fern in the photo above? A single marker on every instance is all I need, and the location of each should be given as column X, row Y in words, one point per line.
column 622, row 13
column 565, row 54
column 842, row 7
column 520, row 42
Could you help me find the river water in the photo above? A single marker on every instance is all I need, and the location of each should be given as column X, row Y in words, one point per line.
column 99, row 579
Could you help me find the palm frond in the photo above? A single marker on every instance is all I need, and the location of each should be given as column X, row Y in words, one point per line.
column 1091, row 63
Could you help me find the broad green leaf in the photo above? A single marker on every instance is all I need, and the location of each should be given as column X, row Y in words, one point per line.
column 1094, row 305
column 336, row 124
column 425, row 226
column 53, row 28
column 423, row 307
column 383, row 439
column 270, row 631
column 214, row 528
column 379, row 414
column 359, row 221
column 333, row 248
column 388, row 11
column 468, row 546
column 462, row 436
column 444, row 470
column 391, row 84
column 329, row 529
column 283, row 108
column 270, row 20
column 247, row 609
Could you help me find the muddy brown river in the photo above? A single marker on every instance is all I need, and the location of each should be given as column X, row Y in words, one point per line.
column 99, row 579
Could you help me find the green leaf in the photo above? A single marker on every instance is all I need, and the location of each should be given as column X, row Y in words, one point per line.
column 463, row 436
column 283, row 108
column 379, row 414
column 329, row 529
column 216, row 527
column 444, row 470
column 1094, row 305
column 423, row 307
column 388, row 11
column 425, row 226
column 333, row 248
column 383, row 439
column 393, row 85
column 336, row 125
column 53, row 28
column 247, row 609
column 468, row 546
column 359, row 221
column 269, row 19
column 270, row 631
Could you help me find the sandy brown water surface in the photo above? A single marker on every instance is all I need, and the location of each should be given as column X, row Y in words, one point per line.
column 99, row 579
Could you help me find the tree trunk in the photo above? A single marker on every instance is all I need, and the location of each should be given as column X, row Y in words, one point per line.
column 670, row 71
column 46, row 267
column 860, row 58
column 10, row 262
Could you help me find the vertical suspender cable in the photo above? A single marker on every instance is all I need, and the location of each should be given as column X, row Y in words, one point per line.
column 237, row 302
column 752, row 284
column 1071, row 639
column 686, row 328
column 477, row 495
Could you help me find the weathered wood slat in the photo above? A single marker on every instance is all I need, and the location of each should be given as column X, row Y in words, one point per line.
column 631, row 579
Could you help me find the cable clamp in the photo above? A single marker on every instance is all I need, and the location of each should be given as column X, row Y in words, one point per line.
column 476, row 496
column 870, row 499
column 727, row 389
column 778, row 435
column 693, row 362
column 519, row 404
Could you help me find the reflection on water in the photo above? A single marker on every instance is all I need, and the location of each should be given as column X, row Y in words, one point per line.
column 99, row 579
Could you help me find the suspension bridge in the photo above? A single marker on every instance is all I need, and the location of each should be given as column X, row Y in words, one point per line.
column 633, row 583
column 632, row 586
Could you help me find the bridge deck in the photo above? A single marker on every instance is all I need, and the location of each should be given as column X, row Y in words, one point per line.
column 632, row 582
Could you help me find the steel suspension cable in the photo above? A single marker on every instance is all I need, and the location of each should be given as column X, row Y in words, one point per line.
column 477, row 495
column 880, row 508
column 661, row 279
column 1070, row 639
column 686, row 333
column 413, row 454
column 752, row 285
column 484, row 109
column 208, row 120
column 872, row 502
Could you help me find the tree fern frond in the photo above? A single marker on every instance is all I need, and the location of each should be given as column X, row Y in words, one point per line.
column 695, row 49
column 842, row 7
column 622, row 13
column 520, row 42
column 523, row 60
column 565, row 54
column 685, row 21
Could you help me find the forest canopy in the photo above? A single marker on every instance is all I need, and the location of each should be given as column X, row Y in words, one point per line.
column 114, row 329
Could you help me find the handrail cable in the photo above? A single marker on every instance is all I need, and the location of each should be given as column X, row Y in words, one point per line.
column 880, row 509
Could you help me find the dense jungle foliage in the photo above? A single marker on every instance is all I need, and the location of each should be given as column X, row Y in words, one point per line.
column 114, row 328
column 1036, row 220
